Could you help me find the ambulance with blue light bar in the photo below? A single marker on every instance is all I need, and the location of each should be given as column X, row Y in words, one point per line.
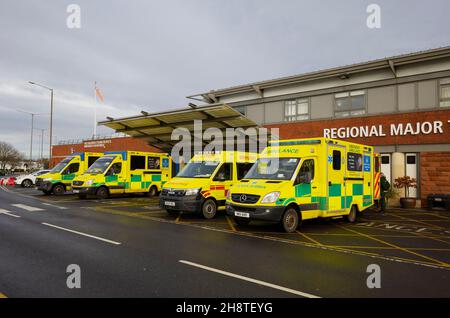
column 301, row 179
column 120, row 172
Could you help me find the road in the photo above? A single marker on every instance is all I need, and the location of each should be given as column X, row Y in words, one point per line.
column 120, row 256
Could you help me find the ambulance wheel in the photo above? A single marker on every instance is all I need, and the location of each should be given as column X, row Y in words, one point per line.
column 290, row 220
column 172, row 212
column 351, row 217
column 209, row 209
column 58, row 189
column 241, row 221
column 152, row 192
column 26, row 183
column 102, row 193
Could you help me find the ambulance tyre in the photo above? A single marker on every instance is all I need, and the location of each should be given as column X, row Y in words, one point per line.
column 152, row 192
column 102, row 193
column 351, row 217
column 290, row 220
column 58, row 189
column 209, row 209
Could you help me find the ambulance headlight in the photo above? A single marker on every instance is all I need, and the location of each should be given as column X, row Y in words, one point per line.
column 191, row 191
column 89, row 182
column 270, row 197
column 48, row 179
column 228, row 197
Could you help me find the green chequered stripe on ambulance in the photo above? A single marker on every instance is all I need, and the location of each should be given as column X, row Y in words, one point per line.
column 335, row 192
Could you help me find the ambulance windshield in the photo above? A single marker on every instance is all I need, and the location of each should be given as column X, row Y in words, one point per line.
column 61, row 165
column 199, row 169
column 100, row 165
column 273, row 169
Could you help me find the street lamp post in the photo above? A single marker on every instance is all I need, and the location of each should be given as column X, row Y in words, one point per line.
column 32, row 129
column 51, row 117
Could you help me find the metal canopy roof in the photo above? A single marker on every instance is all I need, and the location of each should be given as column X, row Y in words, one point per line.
column 157, row 128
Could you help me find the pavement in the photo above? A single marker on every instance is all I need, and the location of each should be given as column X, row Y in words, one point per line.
column 129, row 247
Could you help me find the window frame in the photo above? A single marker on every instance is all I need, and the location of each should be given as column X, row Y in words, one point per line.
column 357, row 155
column 351, row 111
column 215, row 178
column 444, row 83
column 132, row 168
column 297, row 178
column 296, row 116
column 340, row 159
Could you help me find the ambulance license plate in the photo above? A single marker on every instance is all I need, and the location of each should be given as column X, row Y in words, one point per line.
column 241, row 214
column 169, row 203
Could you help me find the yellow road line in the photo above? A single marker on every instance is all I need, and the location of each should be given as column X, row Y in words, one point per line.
column 309, row 238
column 398, row 247
column 230, row 223
column 3, row 295
column 177, row 220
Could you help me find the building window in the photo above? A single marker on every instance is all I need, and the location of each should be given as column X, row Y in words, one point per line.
column 241, row 109
column 350, row 103
column 296, row 110
column 445, row 92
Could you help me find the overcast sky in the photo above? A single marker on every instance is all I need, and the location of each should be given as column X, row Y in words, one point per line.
column 149, row 55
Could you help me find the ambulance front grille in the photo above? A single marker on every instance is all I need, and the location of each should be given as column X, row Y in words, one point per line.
column 245, row 198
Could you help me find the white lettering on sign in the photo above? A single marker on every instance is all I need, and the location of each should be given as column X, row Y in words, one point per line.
column 97, row 143
column 419, row 128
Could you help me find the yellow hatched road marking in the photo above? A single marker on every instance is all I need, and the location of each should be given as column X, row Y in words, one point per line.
column 397, row 247
column 309, row 238
column 3, row 295
column 391, row 248
column 418, row 221
column 230, row 223
column 177, row 220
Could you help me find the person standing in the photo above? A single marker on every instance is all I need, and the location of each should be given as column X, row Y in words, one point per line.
column 384, row 187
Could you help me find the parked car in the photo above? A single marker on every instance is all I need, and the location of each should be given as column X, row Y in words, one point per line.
column 28, row 180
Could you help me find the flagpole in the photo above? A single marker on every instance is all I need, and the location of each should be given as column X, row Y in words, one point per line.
column 95, row 109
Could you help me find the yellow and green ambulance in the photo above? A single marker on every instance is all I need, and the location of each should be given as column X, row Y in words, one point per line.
column 120, row 172
column 204, row 182
column 300, row 179
column 59, row 179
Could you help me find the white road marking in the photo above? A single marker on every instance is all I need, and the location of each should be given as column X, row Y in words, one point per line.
column 81, row 233
column 6, row 212
column 55, row 206
column 251, row 280
column 27, row 207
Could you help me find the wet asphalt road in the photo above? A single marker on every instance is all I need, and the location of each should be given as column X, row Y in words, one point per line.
column 121, row 256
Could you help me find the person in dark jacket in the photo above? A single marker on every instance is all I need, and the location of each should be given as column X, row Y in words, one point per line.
column 384, row 187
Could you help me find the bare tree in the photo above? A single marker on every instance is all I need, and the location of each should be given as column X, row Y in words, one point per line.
column 9, row 155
